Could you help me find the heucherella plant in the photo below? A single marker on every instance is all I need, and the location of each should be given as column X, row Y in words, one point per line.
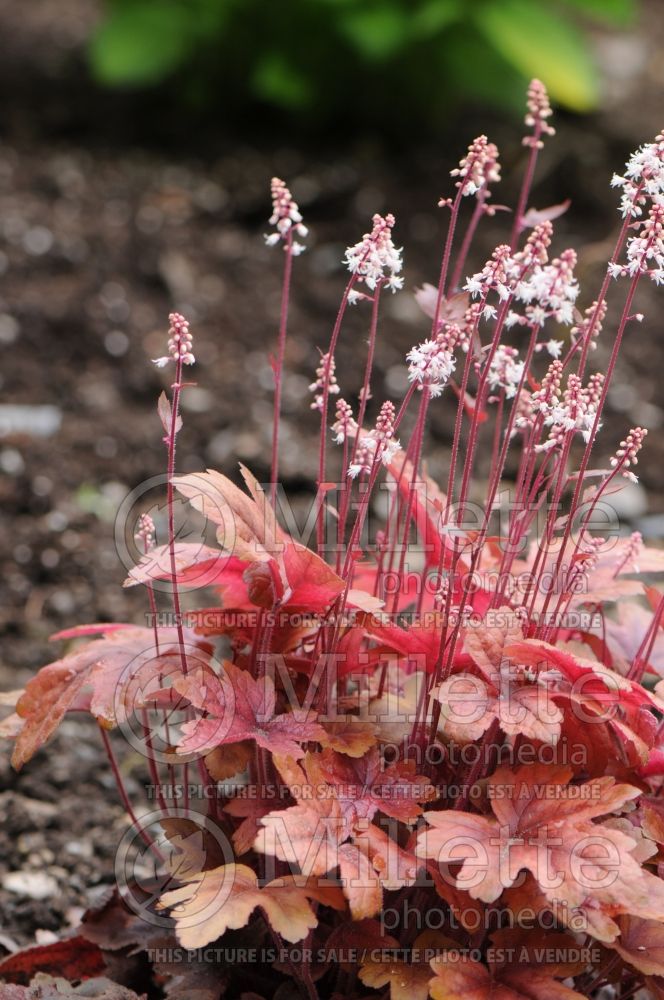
column 424, row 754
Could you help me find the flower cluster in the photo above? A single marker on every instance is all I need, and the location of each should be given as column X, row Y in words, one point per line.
column 645, row 250
column 180, row 342
column 550, row 291
column 539, row 110
column 576, row 411
column 506, row 370
column 498, row 275
column 324, row 376
column 548, row 394
column 589, row 326
column 643, row 178
column 536, row 250
column 506, row 273
column 627, row 453
column 345, row 426
column 145, row 532
column 379, row 445
column 432, row 362
column 286, row 218
column 547, row 290
column 375, row 259
column 478, row 168
column 633, row 550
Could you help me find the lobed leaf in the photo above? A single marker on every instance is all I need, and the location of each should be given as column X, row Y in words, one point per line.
column 222, row 899
column 109, row 678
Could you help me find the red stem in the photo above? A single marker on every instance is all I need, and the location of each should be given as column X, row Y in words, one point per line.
column 526, row 186
column 170, row 496
column 364, row 398
column 322, row 448
column 468, row 238
column 126, row 802
column 279, row 364
column 593, row 433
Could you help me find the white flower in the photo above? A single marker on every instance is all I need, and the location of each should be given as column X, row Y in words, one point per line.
column 345, row 425
column 525, row 291
column 553, row 288
column 286, row 218
column 478, row 168
column 643, row 178
column 505, row 370
column 389, row 450
column 474, row 285
column 180, row 342
column 378, row 445
column 364, row 457
column 375, row 255
column 431, row 363
column 494, row 276
column 576, row 412
column 646, row 248
column 536, row 316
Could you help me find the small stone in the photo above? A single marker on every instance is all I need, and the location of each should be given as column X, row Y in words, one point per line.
column 8, row 943
column 34, row 885
column 11, row 461
column 9, row 329
column 79, row 848
column 35, row 421
column 43, row 937
column 38, row 240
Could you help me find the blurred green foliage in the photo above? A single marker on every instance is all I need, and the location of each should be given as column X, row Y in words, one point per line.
column 330, row 58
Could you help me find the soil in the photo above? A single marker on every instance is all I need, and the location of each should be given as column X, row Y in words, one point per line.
column 101, row 235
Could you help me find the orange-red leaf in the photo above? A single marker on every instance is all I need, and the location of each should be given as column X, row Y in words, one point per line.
column 542, row 824
column 73, row 958
column 108, row 677
column 238, row 707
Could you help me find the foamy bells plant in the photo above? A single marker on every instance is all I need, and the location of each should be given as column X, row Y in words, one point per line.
column 431, row 741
